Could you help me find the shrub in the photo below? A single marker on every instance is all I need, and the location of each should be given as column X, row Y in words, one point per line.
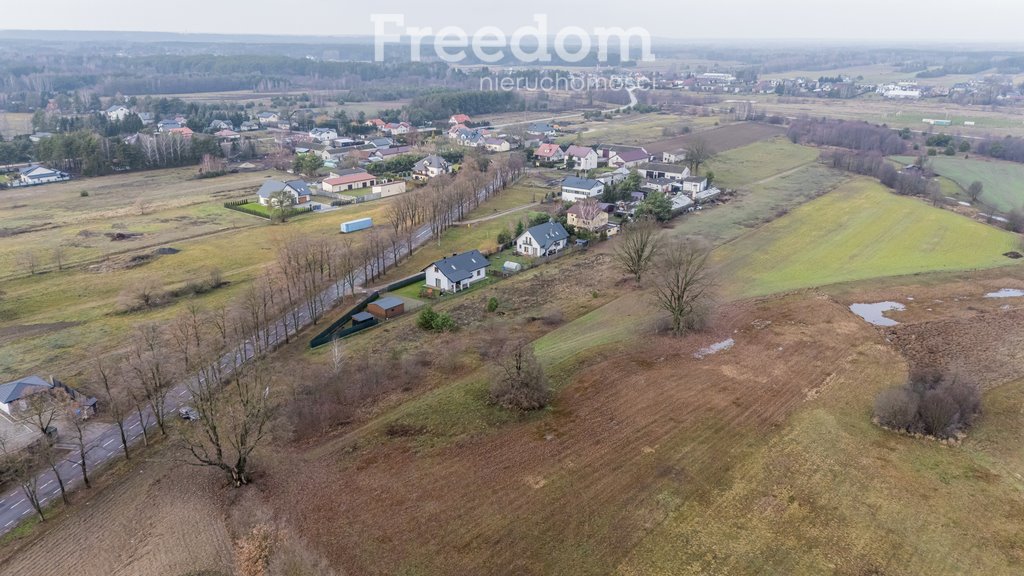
column 84, row 193
column 434, row 321
column 492, row 304
column 519, row 382
column 931, row 402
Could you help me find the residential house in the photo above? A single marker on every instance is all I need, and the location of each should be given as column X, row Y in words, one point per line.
column 323, row 134
column 673, row 156
column 607, row 151
column 146, row 117
column 350, row 179
column 457, row 272
column 549, row 153
column 375, row 122
column 382, row 143
column 613, row 177
column 168, row 125
column 431, row 167
column 663, row 185
column 542, row 240
column 272, row 118
column 249, row 126
column 628, row 158
column 459, row 119
column 581, row 158
column 117, row 113
column 655, row 170
column 388, row 188
column 14, row 395
column 184, row 131
column 694, row 184
column 575, row 189
column 297, row 189
column 396, row 129
column 497, row 145
column 227, row 135
column 541, row 129
column 588, row 215
column 387, row 153
column 218, row 125
column 35, row 174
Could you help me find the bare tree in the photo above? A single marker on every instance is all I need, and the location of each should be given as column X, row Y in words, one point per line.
column 637, row 247
column 152, row 368
column 683, row 281
column 75, row 416
column 49, row 454
column 58, row 257
column 975, row 190
column 519, row 382
column 697, row 153
column 116, row 401
column 44, row 406
column 19, row 467
column 29, row 260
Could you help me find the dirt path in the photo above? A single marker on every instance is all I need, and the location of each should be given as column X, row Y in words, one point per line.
column 779, row 175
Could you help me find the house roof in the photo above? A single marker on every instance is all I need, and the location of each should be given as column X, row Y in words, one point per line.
column 547, row 150
column 547, row 234
column 540, row 128
column 432, row 161
column 579, row 151
column 661, row 167
column 342, row 179
column 382, row 142
column 389, row 302
column 461, row 266
column 362, row 317
column 115, row 108
column 460, row 118
column 267, row 114
column 632, row 155
column 15, row 390
column 495, row 141
column 271, row 186
column 580, row 183
column 695, row 179
column 578, row 207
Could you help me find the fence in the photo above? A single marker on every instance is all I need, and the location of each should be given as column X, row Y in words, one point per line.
column 265, row 212
column 335, row 330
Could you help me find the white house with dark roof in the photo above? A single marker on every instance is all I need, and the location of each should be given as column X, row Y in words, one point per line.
column 542, row 240
column 297, row 189
column 268, row 117
column 457, row 272
column 14, row 395
column 431, row 167
column 117, row 112
column 655, row 170
column 35, row 174
column 575, row 189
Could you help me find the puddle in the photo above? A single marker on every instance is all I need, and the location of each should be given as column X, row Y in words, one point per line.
column 716, row 347
column 875, row 313
column 1006, row 293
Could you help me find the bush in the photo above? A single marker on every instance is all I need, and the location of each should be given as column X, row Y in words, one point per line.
column 434, row 321
column 519, row 381
column 932, row 403
column 492, row 304
column 84, row 193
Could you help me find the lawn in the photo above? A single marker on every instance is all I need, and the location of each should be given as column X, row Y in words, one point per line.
column 521, row 194
column 1002, row 180
column 756, row 162
column 859, row 231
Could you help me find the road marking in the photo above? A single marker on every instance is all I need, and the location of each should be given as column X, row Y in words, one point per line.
column 9, row 523
column 108, row 442
column 48, row 483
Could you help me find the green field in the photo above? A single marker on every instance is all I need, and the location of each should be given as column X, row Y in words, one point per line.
column 1003, row 181
column 756, row 162
column 859, row 231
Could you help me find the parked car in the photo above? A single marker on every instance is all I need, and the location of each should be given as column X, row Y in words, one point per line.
column 188, row 413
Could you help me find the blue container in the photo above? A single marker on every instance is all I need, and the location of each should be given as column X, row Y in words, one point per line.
column 356, row 225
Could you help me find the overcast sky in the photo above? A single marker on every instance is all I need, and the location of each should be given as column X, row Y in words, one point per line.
column 935, row 20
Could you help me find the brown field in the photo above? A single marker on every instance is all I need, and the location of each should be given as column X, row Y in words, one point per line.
column 720, row 139
column 15, row 124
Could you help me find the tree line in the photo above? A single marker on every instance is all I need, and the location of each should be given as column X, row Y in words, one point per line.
column 847, row 134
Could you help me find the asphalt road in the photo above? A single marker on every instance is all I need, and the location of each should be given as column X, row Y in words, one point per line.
column 106, row 446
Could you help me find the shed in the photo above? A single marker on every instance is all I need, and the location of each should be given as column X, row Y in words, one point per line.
column 388, row 307
column 510, row 266
column 361, row 317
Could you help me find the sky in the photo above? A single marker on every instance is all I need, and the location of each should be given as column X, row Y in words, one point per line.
column 946, row 21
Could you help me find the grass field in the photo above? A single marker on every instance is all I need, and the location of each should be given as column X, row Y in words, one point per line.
column 633, row 129
column 859, row 231
column 524, row 192
column 755, row 162
column 1001, row 180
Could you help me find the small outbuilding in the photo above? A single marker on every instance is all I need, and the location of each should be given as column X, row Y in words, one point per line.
column 362, row 318
column 388, row 307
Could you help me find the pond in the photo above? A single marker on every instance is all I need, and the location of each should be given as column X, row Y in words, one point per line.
column 875, row 313
column 1006, row 293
